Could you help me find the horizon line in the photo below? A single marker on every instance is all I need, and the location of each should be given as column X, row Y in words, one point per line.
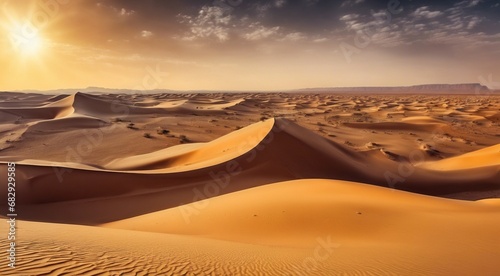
column 303, row 89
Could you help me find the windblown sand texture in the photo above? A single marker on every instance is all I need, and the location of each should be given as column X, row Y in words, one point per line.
column 253, row 184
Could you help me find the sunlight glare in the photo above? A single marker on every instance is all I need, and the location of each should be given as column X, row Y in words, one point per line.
column 26, row 40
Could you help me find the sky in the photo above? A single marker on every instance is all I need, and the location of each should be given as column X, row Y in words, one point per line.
column 247, row 45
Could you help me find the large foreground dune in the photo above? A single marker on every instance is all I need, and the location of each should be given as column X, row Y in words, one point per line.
column 253, row 184
column 304, row 227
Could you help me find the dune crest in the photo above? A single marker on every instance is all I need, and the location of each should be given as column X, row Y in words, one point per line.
column 487, row 157
column 253, row 156
column 196, row 156
column 249, row 183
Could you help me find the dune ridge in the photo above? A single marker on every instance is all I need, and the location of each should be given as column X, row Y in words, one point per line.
column 253, row 184
column 257, row 155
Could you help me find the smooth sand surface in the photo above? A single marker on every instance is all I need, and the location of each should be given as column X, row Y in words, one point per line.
column 487, row 157
column 253, row 184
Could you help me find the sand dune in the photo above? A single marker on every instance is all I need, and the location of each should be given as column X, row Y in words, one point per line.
column 407, row 126
column 253, row 184
column 67, row 123
column 306, row 227
column 169, row 104
column 43, row 112
column 295, row 213
column 65, row 105
column 93, row 106
column 192, row 156
column 257, row 155
column 211, row 104
column 487, row 157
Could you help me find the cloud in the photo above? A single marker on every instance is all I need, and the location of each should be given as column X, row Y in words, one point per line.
column 258, row 32
column 350, row 3
column 474, row 3
column 454, row 28
column 295, row 36
column 444, row 28
column 265, row 21
column 473, row 22
column 467, row 3
column 351, row 22
column 146, row 34
column 320, row 40
column 356, row 22
column 211, row 21
column 424, row 12
column 118, row 11
column 263, row 9
column 124, row 12
column 221, row 24
column 279, row 3
column 349, row 17
column 456, row 23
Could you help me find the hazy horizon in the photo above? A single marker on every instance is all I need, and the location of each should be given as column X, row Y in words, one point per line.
column 246, row 45
column 91, row 89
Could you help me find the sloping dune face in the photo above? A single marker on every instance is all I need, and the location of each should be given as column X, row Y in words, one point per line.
column 304, row 227
column 487, row 157
column 270, row 214
column 191, row 157
column 253, row 184
column 257, row 155
column 60, row 108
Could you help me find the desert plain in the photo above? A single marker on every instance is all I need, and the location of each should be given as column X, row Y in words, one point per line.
column 300, row 183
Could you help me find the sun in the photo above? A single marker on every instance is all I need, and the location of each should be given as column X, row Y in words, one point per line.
column 26, row 39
